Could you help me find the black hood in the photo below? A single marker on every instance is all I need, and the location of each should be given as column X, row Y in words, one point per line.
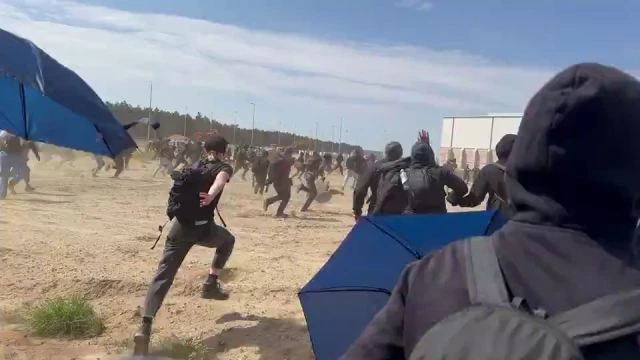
column 393, row 151
column 504, row 146
column 422, row 155
column 576, row 160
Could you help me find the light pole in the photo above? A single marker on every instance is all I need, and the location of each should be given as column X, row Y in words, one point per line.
column 235, row 127
column 150, row 101
column 340, row 138
column 279, row 131
column 184, row 130
column 253, row 122
column 333, row 137
column 315, row 148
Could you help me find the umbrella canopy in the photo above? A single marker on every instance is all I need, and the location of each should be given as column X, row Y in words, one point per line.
column 41, row 100
column 355, row 283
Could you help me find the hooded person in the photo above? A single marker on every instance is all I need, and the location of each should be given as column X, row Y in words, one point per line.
column 570, row 240
column 490, row 180
column 418, row 183
column 259, row 168
column 370, row 180
column 278, row 175
column 356, row 164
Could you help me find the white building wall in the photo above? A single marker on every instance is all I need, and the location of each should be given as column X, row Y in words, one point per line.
column 468, row 136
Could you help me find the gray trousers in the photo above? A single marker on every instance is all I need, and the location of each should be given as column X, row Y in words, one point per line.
column 179, row 241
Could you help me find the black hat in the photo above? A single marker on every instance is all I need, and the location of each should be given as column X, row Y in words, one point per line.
column 216, row 143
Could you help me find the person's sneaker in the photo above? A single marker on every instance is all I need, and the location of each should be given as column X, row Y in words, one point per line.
column 281, row 216
column 141, row 339
column 214, row 291
column 29, row 188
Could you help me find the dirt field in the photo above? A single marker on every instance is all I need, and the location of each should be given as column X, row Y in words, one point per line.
column 87, row 236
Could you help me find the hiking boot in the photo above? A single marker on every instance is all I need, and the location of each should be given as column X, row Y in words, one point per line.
column 141, row 338
column 214, row 291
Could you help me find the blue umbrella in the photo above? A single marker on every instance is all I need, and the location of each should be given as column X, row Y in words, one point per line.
column 41, row 100
column 355, row 283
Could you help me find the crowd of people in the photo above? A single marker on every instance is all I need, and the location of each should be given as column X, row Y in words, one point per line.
column 570, row 241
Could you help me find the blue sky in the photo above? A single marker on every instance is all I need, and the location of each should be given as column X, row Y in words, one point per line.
column 387, row 67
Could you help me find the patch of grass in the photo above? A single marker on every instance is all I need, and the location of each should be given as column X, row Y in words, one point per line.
column 178, row 348
column 64, row 317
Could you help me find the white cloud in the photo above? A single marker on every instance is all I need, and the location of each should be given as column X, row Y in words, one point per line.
column 117, row 51
column 419, row 5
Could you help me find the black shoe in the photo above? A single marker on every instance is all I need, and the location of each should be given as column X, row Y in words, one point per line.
column 141, row 339
column 213, row 291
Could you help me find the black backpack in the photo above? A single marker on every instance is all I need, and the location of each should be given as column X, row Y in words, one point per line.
column 390, row 196
column 184, row 196
column 495, row 328
column 424, row 189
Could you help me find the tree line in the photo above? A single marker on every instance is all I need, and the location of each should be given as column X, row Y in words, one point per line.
column 172, row 123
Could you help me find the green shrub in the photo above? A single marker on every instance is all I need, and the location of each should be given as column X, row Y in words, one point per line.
column 64, row 317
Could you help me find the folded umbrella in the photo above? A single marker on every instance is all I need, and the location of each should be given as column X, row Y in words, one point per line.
column 42, row 100
column 356, row 281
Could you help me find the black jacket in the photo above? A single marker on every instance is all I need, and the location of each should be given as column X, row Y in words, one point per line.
column 279, row 170
column 571, row 238
column 368, row 180
column 490, row 181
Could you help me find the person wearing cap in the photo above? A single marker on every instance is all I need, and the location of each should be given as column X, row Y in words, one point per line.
column 370, row 179
column 183, row 236
column 278, row 175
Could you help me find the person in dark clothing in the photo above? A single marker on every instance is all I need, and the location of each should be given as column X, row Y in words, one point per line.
column 11, row 161
column 356, row 165
column 339, row 160
column 490, row 181
column 313, row 168
column 371, row 178
column 251, row 156
column 27, row 147
column 241, row 158
column 183, row 236
column 278, row 175
column 571, row 238
column 298, row 164
column 423, row 158
column 327, row 164
column 260, row 169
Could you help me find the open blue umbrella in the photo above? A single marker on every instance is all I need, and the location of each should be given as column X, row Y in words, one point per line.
column 355, row 283
column 41, row 100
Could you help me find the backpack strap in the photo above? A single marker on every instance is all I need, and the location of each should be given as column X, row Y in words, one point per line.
column 607, row 318
column 485, row 282
column 499, row 166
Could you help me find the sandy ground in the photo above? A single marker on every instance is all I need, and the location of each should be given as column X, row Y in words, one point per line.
column 87, row 236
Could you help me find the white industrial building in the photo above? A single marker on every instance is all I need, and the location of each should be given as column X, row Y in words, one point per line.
column 472, row 139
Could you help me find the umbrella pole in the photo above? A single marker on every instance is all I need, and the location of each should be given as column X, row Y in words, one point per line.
column 23, row 105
